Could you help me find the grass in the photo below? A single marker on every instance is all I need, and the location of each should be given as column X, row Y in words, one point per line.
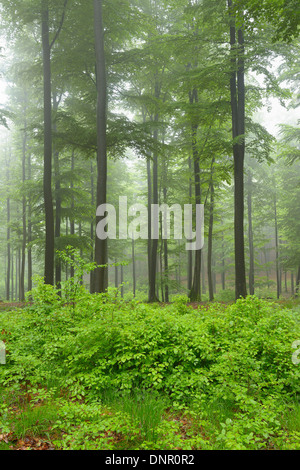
column 34, row 421
column 146, row 411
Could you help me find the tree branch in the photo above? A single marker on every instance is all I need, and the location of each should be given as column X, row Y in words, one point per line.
column 60, row 25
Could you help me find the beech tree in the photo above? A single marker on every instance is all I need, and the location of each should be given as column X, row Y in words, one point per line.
column 167, row 87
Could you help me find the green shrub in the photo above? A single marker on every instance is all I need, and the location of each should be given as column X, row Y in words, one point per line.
column 230, row 361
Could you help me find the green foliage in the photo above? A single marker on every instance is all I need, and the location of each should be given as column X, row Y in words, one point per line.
column 43, row 295
column 229, row 368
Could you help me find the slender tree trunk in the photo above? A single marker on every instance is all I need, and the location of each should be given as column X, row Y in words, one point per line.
column 92, row 227
column 278, row 283
column 29, row 231
column 250, row 235
column 237, row 91
column 210, row 240
column 8, row 236
column 160, row 268
column 292, row 283
column 12, row 274
column 149, row 198
column 297, row 283
column 18, row 257
column 122, row 280
column 195, row 293
column 165, row 241
column 16, row 276
column 116, row 275
column 57, row 197
column 203, row 271
column 133, row 268
column 190, row 253
column 48, row 203
column 72, row 221
column 154, row 244
column 23, row 250
column 266, row 263
column 223, row 263
column 100, row 278
column 214, row 275
column 24, row 224
column 67, row 233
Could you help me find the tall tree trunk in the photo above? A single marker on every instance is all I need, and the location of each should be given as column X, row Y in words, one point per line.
column 195, row 293
column 250, row 235
column 223, row 263
column 133, row 268
column 165, row 241
column 285, row 282
column 116, row 275
column 292, row 283
column 12, row 274
column 266, row 264
column 122, row 280
column 237, row 92
column 149, row 202
column 29, row 231
column 214, row 275
column 297, row 283
column 48, row 203
column 190, row 253
column 57, row 196
column 203, row 273
column 17, row 273
column 210, row 239
column 154, row 243
column 278, row 280
column 23, row 252
column 8, row 236
column 92, row 227
column 72, row 221
column 67, row 233
column 100, row 278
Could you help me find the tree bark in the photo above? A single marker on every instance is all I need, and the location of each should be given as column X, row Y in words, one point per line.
column 48, row 203
column 149, row 198
column 250, row 235
column 57, row 197
column 92, row 228
column 223, row 275
column 292, row 283
column 195, row 293
column 190, row 253
column 23, row 252
column 154, row 244
column 72, row 221
column 210, row 240
column 100, row 278
column 297, row 283
column 29, row 231
column 12, row 274
column 122, row 280
column 165, row 241
column 133, row 268
column 278, row 281
column 237, row 92
column 8, row 236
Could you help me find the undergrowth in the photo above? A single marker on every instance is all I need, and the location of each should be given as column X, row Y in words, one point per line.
column 101, row 373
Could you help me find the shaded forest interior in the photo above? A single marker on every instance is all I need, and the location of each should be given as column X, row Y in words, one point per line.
column 162, row 103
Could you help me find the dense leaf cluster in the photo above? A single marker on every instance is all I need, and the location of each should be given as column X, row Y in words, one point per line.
column 237, row 356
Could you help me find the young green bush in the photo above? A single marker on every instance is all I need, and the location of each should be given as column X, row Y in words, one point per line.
column 236, row 357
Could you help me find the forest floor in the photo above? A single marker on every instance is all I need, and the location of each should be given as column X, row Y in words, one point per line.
column 50, row 390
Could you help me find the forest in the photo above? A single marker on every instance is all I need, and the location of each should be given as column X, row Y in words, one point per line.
column 150, row 225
